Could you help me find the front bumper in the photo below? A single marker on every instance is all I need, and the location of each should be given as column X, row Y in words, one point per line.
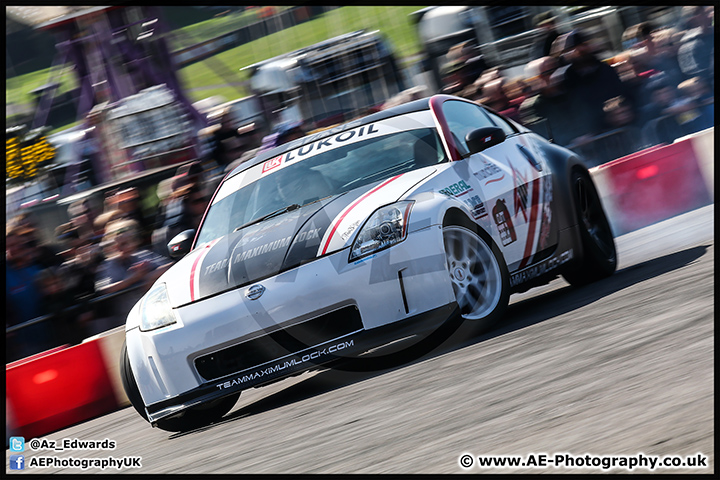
column 307, row 360
column 178, row 366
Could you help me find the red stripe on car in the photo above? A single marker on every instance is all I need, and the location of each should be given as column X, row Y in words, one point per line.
column 353, row 205
column 533, row 220
column 201, row 255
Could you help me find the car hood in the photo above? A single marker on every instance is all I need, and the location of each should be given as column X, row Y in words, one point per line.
column 283, row 242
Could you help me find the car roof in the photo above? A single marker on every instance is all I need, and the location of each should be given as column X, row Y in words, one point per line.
column 413, row 106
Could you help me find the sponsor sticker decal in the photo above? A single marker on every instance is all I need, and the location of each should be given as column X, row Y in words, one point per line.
column 272, row 163
column 282, row 365
column 456, row 189
column 489, row 170
column 477, row 207
column 504, row 222
column 537, row 270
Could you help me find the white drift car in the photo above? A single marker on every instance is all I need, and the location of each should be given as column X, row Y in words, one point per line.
column 337, row 243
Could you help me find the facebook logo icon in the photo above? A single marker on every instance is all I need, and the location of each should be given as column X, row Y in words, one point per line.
column 17, row 462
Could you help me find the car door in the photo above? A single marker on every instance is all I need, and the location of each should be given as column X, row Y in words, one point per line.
column 512, row 180
column 538, row 191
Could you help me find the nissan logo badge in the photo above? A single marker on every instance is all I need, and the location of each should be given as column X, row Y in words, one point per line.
column 255, row 292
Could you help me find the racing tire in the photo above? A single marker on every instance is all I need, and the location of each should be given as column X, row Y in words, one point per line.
column 192, row 418
column 478, row 275
column 129, row 384
column 200, row 416
column 599, row 258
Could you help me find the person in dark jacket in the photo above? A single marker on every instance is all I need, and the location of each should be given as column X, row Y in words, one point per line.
column 588, row 81
column 697, row 46
column 551, row 112
column 23, row 296
column 545, row 22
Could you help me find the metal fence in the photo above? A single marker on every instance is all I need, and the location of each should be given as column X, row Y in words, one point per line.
column 610, row 145
column 624, row 141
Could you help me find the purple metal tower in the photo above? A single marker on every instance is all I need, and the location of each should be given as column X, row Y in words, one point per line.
column 116, row 52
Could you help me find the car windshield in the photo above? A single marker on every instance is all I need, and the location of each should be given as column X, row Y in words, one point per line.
column 287, row 182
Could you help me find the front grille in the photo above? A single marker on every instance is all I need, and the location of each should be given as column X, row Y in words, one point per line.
column 279, row 343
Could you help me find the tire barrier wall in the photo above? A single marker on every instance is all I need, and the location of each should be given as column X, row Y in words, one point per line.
column 67, row 385
column 64, row 386
column 657, row 183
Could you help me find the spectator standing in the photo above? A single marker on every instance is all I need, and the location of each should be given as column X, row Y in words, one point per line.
column 699, row 111
column 495, row 96
column 226, row 142
column 621, row 135
column 665, row 117
column 23, row 296
column 127, row 266
column 78, row 276
column 43, row 254
column 648, row 57
column 542, row 46
column 81, row 222
column 55, row 303
column 588, row 81
column 182, row 210
column 471, row 61
column 103, row 220
column 553, row 106
column 127, row 203
column 620, row 114
column 464, row 65
column 697, row 45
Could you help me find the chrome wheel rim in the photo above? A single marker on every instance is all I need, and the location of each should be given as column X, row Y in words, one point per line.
column 474, row 272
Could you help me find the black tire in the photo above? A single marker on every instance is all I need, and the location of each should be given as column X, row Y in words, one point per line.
column 478, row 275
column 599, row 258
column 129, row 384
column 194, row 417
column 200, row 416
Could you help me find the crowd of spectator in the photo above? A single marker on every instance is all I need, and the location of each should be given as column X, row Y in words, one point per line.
column 114, row 252
column 660, row 87
column 102, row 261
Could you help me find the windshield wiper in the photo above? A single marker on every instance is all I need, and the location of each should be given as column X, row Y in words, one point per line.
column 280, row 211
column 277, row 212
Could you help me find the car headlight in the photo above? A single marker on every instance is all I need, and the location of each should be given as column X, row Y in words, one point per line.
column 386, row 227
column 156, row 311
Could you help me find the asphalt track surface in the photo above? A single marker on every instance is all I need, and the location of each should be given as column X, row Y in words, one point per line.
column 621, row 367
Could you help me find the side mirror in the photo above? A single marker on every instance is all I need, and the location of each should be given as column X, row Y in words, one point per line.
column 483, row 138
column 180, row 245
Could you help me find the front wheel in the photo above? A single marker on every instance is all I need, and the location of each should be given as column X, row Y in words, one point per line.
column 599, row 254
column 478, row 275
column 200, row 416
column 194, row 417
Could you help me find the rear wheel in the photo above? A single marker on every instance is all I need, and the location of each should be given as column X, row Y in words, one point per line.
column 478, row 275
column 599, row 254
column 194, row 417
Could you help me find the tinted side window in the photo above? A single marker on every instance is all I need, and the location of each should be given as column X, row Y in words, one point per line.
column 502, row 123
column 462, row 118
